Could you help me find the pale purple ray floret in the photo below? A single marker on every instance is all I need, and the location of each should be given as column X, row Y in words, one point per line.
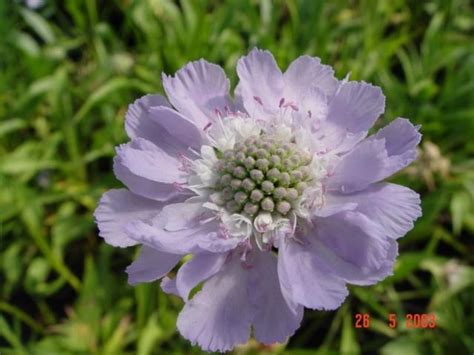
column 276, row 193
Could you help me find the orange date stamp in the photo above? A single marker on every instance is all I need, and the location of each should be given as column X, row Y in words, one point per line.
column 411, row 320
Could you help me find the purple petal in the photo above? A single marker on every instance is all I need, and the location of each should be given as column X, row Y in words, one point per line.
column 305, row 279
column 179, row 242
column 274, row 320
column 327, row 136
column 218, row 317
column 393, row 207
column 177, row 126
column 365, row 164
column 401, row 139
column 376, row 158
column 314, row 105
column 182, row 233
column 197, row 90
column 180, row 227
column 179, row 216
column 140, row 122
column 333, row 206
column 168, row 286
column 336, row 139
column 151, row 265
column 261, row 81
column 143, row 158
column 356, row 106
column 118, row 207
column 145, row 187
column 347, row 142
column 356, row 239
column 199, row 268
column 137, row 120
column 352, row 272
column 306, row 73
column 216, row 243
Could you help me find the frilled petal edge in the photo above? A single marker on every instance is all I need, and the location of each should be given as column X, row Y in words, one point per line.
column 356, row 106
column 274, row 318
column 197, row 90
column 261, row 82
column 219, row 316
column 393, row 207
column 306, row 73
column 116, row 208
column 305, row 279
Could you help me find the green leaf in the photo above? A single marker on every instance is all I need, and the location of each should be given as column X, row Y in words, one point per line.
column 11, row 125
column 349, row 344
column 9, row 335
column 403, row 345
column 461, row 205
column 38, row 24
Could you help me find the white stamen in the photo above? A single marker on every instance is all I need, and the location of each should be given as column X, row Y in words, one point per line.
column 263, row 222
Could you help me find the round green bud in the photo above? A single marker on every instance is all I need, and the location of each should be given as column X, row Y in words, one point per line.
column 239, row 146
column 262, row 164
column 285, row 179
column 267, row 204
column 240, row 157
column 283, row 207
column 220, row 166
column 267, row 186
column 217, row 198
column 275, row 160
column 280, row 152
column 261, row 153
column 273, row 174
column 240, row 197
column 256, row 195
column 230, row 166
column 279, row 193
column 249, row 162
column 295, row 160
column 225, row 179
column 288, row 147
column 256, row 175
column 227, row 193
column 229, row 154
column 251, row 208
column 301, row 186
column 239, row 172
column 296, row 175
column 287, row 164
column 291, row 194
column 252, row 150
column 248, row 184
column 235, row 183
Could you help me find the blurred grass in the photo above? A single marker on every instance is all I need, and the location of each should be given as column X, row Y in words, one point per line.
column 67, row 73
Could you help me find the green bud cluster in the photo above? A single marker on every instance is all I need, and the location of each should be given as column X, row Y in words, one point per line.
column 261, row 174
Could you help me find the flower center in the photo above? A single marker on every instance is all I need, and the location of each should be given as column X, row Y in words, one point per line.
column 262, row 174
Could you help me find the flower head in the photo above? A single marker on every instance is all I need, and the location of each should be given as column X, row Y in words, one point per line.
column 275, row 193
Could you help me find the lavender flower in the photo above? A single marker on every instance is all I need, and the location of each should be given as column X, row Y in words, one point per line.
column 276, row 194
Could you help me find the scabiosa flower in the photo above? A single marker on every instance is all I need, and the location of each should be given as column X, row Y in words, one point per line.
column 276, row 194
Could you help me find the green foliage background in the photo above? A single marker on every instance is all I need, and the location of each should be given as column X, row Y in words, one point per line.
column 69, row 69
